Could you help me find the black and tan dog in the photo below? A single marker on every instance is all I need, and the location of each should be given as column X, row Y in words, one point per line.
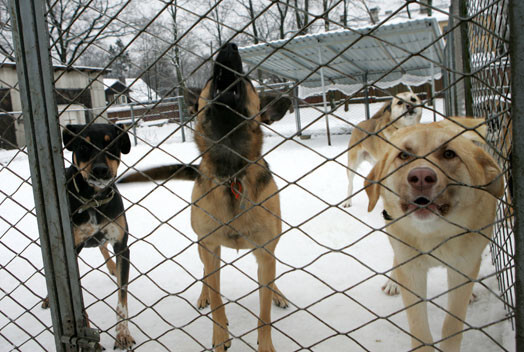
column 235, row 200
column 96, row 205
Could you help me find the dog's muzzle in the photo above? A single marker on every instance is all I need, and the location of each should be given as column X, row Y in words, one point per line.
column 100, row 176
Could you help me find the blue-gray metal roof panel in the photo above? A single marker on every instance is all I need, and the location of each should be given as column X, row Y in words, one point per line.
column 347, row 54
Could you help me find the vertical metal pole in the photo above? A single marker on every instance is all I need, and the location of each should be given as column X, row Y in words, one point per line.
column 180, row 113
column 516, row 16
column 452, row 52
column 324, row 99
column 432, row 69
column 446, row 80
column 466, row 56
column 133, row 123
column 35, row 75
column 297, row 111
column 366, row 96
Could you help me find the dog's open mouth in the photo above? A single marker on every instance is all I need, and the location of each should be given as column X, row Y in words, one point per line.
column 229, row 90
column 422, row 201
column 423, row 208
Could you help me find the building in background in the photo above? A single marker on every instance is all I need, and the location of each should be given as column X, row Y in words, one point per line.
column 79, row 95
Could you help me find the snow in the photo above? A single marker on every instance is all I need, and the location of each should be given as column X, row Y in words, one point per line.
column 139, row 91
column 330, row 262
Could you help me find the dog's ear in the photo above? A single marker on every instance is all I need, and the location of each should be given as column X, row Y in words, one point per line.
column 492, row 174
column 123, row 140
column 371, row 183
column 191, row 96
column 273, row 108
column 69, row 136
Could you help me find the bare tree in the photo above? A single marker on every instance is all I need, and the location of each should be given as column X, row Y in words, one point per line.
column 251, row 18
column 176, row 58
column 6, row 43
column 74, row 25
column 219, row 15
column 302, row 16
column 283, row 9
column 326, row 9
column 345, row 13
column 368, row 11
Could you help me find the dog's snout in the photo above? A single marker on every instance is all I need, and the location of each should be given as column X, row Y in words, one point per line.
column 230, row 48
column 422, row 178
column 410, row 107
column 100, row 171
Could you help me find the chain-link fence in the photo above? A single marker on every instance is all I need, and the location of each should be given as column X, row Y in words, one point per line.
column 333, row 83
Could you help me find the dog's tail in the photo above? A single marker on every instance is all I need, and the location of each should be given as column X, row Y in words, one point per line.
column 169, row 172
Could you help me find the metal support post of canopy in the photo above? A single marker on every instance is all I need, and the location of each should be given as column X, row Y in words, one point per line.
column 324, row 99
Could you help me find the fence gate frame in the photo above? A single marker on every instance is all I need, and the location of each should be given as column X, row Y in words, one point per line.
column 516, row 18
column 40, row 115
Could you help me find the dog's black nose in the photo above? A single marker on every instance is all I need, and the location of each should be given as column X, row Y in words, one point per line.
column 234, row 47
column 100, row 171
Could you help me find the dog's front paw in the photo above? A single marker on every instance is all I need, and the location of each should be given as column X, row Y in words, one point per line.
column 203, row 300
column 347, row 203
column 221, row 340
column 390, row 288
column 124, row 340
column 280, row 301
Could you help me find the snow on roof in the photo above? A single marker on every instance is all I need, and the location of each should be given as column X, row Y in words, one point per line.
column 6, row 62
column 139, row 91
column 108, row 82
column 383, row 55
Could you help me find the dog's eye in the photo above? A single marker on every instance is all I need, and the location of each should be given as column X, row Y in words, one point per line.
column 399, row 102
column 413, row 100
column 449, row 154
column 403, row 155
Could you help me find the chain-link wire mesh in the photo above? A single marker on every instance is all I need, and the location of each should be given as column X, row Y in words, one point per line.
column 142, row 66
column 491, row 98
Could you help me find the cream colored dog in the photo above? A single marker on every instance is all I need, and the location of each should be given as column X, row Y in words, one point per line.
column 364, row 145
column 474, row 129
column 439, row 201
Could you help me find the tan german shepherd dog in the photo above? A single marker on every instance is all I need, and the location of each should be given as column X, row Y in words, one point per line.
column 235, row 200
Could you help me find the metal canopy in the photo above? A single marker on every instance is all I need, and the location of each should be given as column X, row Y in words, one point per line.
column 385, row 53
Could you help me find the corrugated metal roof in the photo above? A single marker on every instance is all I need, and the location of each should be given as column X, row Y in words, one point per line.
column 385, row 53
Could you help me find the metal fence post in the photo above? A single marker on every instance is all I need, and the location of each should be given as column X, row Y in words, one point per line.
column 181, row 113
column 35, row 75
column 366, row 94
column 296, row 106
column 466, row 56
column 516, row 13
column 133, row 123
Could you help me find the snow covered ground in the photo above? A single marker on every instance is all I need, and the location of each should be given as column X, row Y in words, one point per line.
column 330, row 261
